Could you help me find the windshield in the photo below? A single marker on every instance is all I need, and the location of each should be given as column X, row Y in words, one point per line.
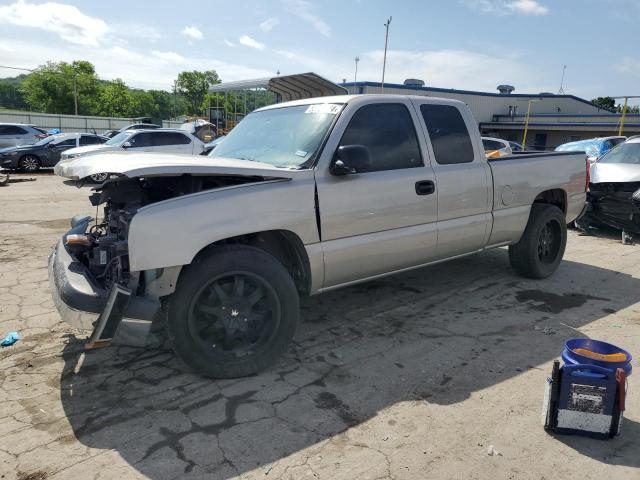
column 625, row 153
column 282, row 137
column 118, row 139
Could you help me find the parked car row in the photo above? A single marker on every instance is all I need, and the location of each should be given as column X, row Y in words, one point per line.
column 47, row 151
column 29, row 148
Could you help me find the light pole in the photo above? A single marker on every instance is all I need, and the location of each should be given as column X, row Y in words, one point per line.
column 526, row 121
column 355, row 76
column 384, row 60
column 624, row 111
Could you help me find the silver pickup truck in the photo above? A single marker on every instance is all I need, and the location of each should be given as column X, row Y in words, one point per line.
column 301, row 198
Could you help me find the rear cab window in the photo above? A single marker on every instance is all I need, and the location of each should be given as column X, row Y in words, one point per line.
column 448, row 132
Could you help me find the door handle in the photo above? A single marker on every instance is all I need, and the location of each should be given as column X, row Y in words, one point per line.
column 425, row 187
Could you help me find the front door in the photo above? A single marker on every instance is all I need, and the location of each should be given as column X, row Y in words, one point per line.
column 381, row 219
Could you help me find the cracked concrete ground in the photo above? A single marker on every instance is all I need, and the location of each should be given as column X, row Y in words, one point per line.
column 410, row 377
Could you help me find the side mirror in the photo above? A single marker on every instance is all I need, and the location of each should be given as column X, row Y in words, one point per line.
column 350, row 159
column 126, row 145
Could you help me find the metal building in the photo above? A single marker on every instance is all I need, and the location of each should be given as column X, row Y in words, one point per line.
column 554, row 119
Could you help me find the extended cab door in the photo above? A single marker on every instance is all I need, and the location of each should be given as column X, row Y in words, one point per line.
column 382, row 218
column 462, row 175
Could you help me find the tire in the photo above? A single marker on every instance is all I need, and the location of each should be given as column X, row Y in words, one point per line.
column 540, row 250
column 29, row 163
column 99, row 177
column 233, row 333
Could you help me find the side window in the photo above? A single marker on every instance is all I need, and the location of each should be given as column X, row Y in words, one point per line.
column 71, row 142
column 491, row 144
column 170, row 138
column 387, row 130
column 449, row 135
column 12, row 130
column 87, row 140
column 141, row 140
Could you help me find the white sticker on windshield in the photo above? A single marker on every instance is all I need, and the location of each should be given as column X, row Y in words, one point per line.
column 331, row 108
column 301, row 153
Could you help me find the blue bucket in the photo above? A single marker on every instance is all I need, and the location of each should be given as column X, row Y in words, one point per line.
column 572, row 358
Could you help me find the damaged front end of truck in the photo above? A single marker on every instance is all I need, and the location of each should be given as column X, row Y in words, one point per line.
column 92, row 283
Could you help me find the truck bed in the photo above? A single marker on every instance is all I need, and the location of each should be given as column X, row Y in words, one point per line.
column 517, row 181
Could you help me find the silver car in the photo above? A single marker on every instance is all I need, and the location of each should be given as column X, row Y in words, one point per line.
column 16, row 134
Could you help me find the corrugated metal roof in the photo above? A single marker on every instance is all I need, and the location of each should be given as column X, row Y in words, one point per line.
column 288, row 87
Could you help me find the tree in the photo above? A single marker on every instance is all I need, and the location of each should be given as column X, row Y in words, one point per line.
column 115, row 100
column 605, row 102
column 10, row 96
column 194, row 87
column 55, row 88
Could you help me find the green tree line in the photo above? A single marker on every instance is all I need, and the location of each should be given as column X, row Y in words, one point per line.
column 64, row 88
column 610, row 103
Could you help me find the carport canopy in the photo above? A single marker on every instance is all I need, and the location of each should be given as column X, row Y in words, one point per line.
column 287, row 87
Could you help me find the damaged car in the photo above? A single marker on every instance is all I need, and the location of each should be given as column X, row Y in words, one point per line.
column 614, row 191
column 301, row 198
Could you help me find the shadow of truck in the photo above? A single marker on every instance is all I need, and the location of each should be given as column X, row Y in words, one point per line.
column 437, row 335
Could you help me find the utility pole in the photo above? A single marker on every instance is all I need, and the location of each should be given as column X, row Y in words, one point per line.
column 526, row 122
column 355, row 76
column 384, row 61
column 624, row 111
column 75, row 94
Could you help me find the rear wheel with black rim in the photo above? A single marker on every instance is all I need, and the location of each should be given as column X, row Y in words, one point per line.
column 541, row 248
column 29, row 163
column 233, row 313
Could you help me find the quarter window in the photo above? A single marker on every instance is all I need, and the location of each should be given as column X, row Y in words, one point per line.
column 449, row 135
column 387, row 130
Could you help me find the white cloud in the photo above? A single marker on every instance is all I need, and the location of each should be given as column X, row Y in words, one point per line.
column 136, row 68
column 304, row 60
column 506, row 7
column 193, row 32
column 247, row 41
column 269, row 23
column 528, row 7
column 67, row 21
column 460, row 69
column 303, row 10
column 228, row 43
column 629, row 66
column 168, row 56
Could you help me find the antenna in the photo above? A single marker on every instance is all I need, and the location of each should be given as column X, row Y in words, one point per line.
column 561, row 91
column 384, row 61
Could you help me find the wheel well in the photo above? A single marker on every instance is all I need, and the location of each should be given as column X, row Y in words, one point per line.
column 283, row 245
column 556, row 197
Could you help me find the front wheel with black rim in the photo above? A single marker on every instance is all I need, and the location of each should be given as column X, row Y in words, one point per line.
column 99, row 177
column 541, row 248
column 233, row 313
column 29, row 163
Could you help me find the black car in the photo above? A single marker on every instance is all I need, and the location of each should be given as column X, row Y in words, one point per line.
column 45, row 153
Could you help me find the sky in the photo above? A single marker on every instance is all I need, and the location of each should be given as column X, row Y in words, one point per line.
column 465, row 44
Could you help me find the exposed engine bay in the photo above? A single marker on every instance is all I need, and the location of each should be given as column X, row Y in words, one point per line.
column 614, row 204
column 103, row 248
